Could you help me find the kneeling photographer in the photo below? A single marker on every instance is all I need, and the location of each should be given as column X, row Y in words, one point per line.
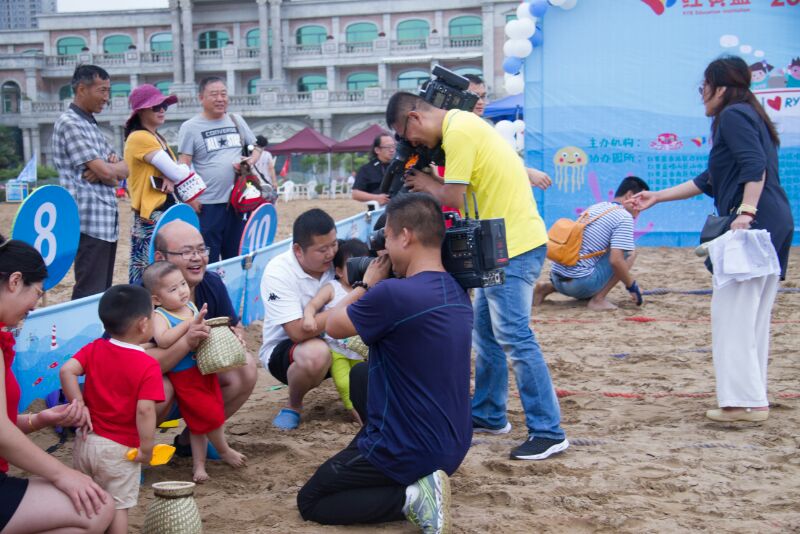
column 418, row 426
column 480, row 162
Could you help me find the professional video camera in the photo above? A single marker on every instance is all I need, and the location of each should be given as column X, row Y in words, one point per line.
column 447, row 90
column 474, row 251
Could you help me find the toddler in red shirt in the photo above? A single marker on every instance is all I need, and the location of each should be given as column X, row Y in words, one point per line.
column 199, row 396
column 121, row 389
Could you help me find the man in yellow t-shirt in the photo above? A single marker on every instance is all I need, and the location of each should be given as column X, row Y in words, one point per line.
column 480, row 161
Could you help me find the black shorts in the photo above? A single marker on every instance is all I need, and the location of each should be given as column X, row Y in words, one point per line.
column 12, row 490
column 281, row 358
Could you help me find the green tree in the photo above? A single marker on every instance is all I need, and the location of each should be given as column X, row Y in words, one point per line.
column 10, row 147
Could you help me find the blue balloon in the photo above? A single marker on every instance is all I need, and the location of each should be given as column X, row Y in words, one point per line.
column 538, row 8
column 537, row 38
column 512, row 65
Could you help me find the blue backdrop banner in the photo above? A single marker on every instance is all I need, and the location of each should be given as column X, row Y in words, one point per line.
column 614, row 92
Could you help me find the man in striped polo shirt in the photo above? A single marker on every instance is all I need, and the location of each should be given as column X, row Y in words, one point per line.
column 593, row 278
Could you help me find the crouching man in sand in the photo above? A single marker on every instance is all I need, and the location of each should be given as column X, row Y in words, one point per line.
column 607, row 254
column 418, row 423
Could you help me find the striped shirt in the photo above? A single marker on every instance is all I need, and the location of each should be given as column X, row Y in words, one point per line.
column 612, row 230
column 77, row 140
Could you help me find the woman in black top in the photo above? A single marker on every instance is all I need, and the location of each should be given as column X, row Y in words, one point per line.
column 742, row 178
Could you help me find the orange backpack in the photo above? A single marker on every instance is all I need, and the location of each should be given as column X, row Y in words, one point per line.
column 565, row 237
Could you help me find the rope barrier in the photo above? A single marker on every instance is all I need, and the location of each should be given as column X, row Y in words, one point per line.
column 667, row 290
column 561, row 393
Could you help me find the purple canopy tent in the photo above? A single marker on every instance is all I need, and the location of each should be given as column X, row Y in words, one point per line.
column 306, row 141
column 361, row 142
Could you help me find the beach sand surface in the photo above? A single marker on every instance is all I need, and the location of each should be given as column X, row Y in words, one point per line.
column 633, row 383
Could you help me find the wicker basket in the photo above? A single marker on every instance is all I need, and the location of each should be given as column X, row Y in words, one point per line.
column 173, row 511
column 221, row 351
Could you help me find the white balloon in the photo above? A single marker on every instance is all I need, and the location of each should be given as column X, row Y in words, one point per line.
column 514, row 85
column 514, row 30
column 566, row 5
column 517, row 48
column 527, row 27
column 519, row 141
column 524, row 11
column 519, row 125
column 506, row 131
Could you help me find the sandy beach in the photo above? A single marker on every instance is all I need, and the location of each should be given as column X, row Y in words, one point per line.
column 633, row 384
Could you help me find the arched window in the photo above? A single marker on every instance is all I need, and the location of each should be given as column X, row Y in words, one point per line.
column 161, row 42
column 66, row 92
column 116, row 44
column 412, row 79
column 311, row 35
column 361, row 32
column 252, row 86
column 163, row 86
column 310, row 82
column 359, row 80
column 253, row 38
column 213, row 39
column 413, row 30
column 469, row 70
column 467, row 25
column 120, row 89
column 11, row 95
column 67, row 46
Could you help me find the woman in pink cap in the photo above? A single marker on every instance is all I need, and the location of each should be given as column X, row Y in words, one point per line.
column 155, row 180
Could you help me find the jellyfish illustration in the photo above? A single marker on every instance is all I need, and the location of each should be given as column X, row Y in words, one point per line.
column 570, row 163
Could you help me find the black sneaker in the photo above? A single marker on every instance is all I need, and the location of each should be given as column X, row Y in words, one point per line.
column 539, row 448
column 480, row 429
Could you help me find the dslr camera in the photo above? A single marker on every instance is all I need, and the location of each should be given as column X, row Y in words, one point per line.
column 447, row 90
column 474, row 251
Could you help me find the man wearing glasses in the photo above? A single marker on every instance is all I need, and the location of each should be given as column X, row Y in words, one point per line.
column 181, row 244
column 368, row 180
column 479, row 161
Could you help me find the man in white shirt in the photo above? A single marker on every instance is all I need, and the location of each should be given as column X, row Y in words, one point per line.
column 296, row 357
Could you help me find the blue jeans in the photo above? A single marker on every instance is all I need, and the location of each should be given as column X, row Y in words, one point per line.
column 502, row 317
column 222, row 230
column 587, row 286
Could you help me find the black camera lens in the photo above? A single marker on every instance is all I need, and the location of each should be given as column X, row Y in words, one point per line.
column 356, row 267
column 377, row 241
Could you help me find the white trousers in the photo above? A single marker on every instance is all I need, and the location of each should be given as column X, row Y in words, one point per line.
column 740, row 320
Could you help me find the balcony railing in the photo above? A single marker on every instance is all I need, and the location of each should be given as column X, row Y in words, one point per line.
column 409, row 44
column 303, row 49
column 163, row 56
column 249, row 53
column 65, row 60
column 467, row 41
column 355, row 48
column 109, row 59
column 209, row 53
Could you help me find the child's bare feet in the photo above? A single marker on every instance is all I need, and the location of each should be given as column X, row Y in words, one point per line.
column 199, row 475
column 233, row 458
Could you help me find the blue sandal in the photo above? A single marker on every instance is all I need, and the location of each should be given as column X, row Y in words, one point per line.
column 286, row 419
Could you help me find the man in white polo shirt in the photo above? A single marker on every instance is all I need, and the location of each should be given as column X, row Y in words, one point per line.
column 298, row 358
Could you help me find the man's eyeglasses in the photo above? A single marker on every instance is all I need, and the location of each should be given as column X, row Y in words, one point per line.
column 405, row 126
column 190, row 253
column 389, row 147
column 160, row 107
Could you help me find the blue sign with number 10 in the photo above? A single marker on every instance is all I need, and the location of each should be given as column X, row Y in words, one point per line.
column 260, row 229
column 48, row 220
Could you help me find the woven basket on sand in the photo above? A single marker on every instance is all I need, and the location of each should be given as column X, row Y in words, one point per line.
column 221, row 351
column 173, row 511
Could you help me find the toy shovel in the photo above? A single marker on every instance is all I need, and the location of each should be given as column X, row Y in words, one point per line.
column 161, row 454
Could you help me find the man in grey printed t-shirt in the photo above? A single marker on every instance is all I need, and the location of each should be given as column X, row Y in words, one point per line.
column 212, row 143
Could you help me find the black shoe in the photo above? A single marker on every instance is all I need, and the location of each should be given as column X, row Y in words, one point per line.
column 539, row 448
column 182, row 451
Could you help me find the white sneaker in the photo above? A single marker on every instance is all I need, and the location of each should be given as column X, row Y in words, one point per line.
column 429, row 504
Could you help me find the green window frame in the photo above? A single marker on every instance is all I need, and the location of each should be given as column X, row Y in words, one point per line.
column 120, row 89
column 413, row 30
column 161, row 42
column 117, row 44
column 252, row 86
column 66, row 92
column 212, row 39
column 412, row 79
column 311, row 35
column 163, row 86
column 311, row 82
column 67, row 46
column 361, row 32
column 361, row 80
column 466, row 25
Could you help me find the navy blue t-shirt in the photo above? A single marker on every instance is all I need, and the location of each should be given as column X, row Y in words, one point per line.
column 212, row 291
column 419, row 331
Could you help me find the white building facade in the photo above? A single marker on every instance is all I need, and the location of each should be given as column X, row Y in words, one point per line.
column 329, row 64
